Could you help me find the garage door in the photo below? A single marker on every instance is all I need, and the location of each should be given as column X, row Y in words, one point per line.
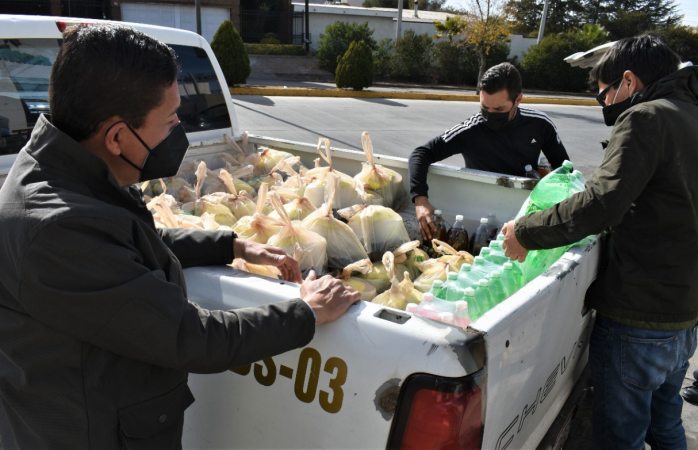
column 177, row 16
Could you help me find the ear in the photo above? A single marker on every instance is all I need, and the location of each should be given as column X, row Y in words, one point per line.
column 518, row 98
column 633, row 82
column 113, row 131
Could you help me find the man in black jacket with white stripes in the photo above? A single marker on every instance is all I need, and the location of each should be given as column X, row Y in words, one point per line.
column 502, row 137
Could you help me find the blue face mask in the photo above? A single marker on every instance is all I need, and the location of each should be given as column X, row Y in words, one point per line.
column 164, row 159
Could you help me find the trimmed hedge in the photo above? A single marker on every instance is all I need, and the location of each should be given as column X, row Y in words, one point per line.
column 231, row 54
column 275, row 49
column 355, row 67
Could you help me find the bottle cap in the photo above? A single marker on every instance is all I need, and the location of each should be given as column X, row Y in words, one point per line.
column 483, row 282
column 484, row 220
column 528, row 167
column 497, row 273
column 438, row 212
column 469, row 292
column 426, row 297
column 411, row 307
column 497, row 245
column 459, row 216
column 484, row 251
column 508, row 265
column 567, row 165
column 452, row 275
column 465, row 267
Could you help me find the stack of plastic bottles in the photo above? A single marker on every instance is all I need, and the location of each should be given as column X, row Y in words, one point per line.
column 492, row 277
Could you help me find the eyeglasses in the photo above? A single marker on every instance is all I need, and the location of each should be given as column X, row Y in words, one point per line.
column 601, row 97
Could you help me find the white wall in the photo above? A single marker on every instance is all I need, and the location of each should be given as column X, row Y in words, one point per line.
column 176, row 16
column 519, row 45
column 381, row 20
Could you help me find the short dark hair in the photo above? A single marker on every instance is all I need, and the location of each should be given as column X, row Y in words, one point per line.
column 502, row 76
column 107, row 70
column 646, row 55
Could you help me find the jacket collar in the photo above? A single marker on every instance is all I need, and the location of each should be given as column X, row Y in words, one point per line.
column 55, row 150
column 681, row 85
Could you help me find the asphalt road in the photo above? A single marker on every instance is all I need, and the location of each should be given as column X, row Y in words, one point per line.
column 397, row 126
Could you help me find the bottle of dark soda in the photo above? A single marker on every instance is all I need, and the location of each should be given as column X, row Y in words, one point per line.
column 544, row 166
column 458, row 236
column 481, row 237
column 441, row 226
column 530, row 173
column 492, row 226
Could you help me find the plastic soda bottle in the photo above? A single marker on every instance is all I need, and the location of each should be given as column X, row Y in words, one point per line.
column 530, row 173
column 483, row 295
column 492, row 226
column 544, row 166
column 481, row 267
column 461, row 314
column 481, row 237
column 496, row 253
column 458, row 236
column 497, row 289
column 509, row 279
column 516, row 273
column 437, row 289
column 441, row 226
column 452, row 288
column 474, row 308
column 465, row 277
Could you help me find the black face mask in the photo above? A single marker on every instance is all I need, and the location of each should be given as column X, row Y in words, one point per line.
column 611, row 112
column 165, row 158
column 495, row 120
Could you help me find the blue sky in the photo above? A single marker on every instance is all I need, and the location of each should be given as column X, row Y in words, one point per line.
column 689, row 9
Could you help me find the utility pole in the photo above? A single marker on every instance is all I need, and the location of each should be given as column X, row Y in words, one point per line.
column 398, row 27
column 197, row 6
column 541, row 30
column 307, row 26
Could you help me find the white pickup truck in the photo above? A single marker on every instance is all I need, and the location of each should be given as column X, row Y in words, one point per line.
column 377, row 377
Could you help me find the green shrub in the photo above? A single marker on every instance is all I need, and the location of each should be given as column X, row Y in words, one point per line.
column 275, row 49
column 231, row 54
column 335, row 41
column 412, row 57
column 355, row 67
column 544, row 66
column 682, row 40
column 270, row 38
column 382, row 58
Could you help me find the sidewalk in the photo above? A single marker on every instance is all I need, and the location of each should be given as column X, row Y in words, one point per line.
column 299, row 76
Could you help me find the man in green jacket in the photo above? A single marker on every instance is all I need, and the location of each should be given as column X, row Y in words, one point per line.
column 645, row 195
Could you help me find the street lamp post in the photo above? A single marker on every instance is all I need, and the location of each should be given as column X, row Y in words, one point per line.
column 541, row 30
column 197, row 6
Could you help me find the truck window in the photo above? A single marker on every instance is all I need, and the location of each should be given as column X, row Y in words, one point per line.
column 25, row 66
column 203, row 105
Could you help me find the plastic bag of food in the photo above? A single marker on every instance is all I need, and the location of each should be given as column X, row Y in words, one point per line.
column 266, row 159
column 307, row 247
column 257, row 269
column 438, row 268
column 401, row 292
column 379, row 229
column 375, row 179
column 317, row 178
column 343, row 247
column 360, row 285
column 258, row 227
column 239, row 203
column 297, row 206
column 408, row 255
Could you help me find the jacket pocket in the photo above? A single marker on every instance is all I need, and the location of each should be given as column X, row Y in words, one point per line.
column 155, row 423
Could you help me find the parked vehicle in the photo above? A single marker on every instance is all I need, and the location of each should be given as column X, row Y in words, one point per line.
column 378, row 377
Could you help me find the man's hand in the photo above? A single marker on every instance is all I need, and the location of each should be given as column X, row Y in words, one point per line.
column 512, row 247
column 256, row 253
column 328, row 297
column 424, row 212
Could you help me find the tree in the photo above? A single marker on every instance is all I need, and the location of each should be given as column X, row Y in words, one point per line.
column 483, row 27
column 544, row 67
column 355, row 67
column 231, row 54
column 683, row 40
column 632, row 17
column 525, row 15
column 335, row 41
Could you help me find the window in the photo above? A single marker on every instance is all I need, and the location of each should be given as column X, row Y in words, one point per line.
column 25, row 67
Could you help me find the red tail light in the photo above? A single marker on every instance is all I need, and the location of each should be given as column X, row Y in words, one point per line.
column 439, row 413
column 62, row 24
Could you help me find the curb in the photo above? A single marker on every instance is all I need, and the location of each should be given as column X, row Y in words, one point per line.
column 408, row 95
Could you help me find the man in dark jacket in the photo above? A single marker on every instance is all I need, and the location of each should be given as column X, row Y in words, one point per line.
column 645, row 194
column 96, row 334
column 503, row 137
